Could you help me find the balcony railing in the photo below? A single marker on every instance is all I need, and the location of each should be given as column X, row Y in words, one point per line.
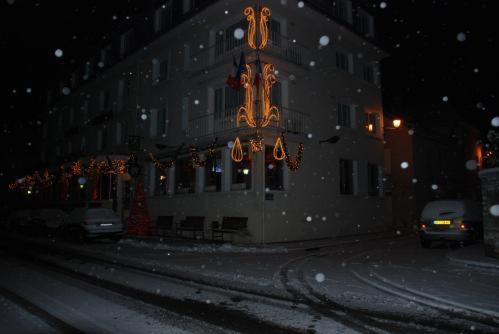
column 216, row 125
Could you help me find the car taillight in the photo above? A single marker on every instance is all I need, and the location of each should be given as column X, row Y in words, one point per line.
column 423, row 226
column 464, row 226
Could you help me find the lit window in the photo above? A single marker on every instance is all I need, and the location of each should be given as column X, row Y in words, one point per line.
column 185, row 176
column 241, row 171
column 213, row 173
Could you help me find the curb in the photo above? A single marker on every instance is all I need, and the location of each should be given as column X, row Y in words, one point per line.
column 393, row 288
column 473, row 264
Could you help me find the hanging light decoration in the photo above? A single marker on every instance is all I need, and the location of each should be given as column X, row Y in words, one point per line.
column 258, row 34
column 278, row 149
column 256, row 144
column 237, row 151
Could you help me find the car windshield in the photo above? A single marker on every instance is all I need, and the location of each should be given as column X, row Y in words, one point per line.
column 100, row 213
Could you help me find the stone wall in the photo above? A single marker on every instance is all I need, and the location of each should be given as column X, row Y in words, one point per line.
column 490, row 196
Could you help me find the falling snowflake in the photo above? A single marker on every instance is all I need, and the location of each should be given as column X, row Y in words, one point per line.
column 404, row 165
column 143, row 117
column 338, row 127
column 494, row 210
column 58, row 53
column 301, row 4
column 445, row 98
column 434, row 187
column 196, row 102
column 230, row 144
column 100, row 64
column 324, row 40
column 410, row 132
column 239, row 33
column 283, row 213
column 461, row 37
column 309, row 136
column 382, row 5
column 66, row 91
column 471, row 165
column 309, row 219
column 324, row 218
column 495, row 122
column 319, row 277
column 29, row 90
column 414, row 180
column 312, row 63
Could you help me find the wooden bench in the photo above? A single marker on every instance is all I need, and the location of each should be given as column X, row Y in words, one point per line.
column 191, row 223
column 230, row 225
column 163, row 224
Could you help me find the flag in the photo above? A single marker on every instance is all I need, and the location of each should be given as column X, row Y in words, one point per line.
column 234, row 82
column 258, row 74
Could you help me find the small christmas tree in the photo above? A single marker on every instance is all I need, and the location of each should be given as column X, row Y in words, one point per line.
column 139, row 222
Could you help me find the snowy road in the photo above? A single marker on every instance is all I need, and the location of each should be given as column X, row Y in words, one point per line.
column 37, row 300
column 373, row 286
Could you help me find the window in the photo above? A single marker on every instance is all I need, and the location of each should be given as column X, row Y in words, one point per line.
column 153, row 123
column 84, row 108
column 71, row 115
column 124, row 132
column 187, row 56
column 275, row 32
column 161, row 183
column 83, row 144
column 362, row 22
column 372, row 122
column 118, row 133
column 104, row 100
column 185, row 113
column 219, row 98
column 105, row 56
column 89, row 69
column 185, row 176
column 340, row 9
column 241, row 172
column 159, row 70
column 344, row 118
column 233, row 100
column 126, row 42
column 373, row 188
column 368, row 73
column 274, row 176
column 276, row 94
column 213, row 173
column 101, row 139
column 225, row 40
column 346, row 177
column 106, row 188
column 162, row 18
column 162, row 123
column 342, row 61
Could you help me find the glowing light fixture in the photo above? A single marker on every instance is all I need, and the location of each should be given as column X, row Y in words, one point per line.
column 397, row 122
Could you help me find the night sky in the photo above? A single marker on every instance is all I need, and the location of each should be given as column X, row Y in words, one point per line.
column 427, row 59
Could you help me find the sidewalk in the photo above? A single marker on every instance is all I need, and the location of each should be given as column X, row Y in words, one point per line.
column 182, row 245
column 473, row 256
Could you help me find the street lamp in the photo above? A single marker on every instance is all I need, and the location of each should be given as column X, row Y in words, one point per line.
column 396, row 123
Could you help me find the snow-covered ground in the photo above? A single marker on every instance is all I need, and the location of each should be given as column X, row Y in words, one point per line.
column 377, row 284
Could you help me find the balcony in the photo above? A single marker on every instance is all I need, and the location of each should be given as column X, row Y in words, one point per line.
column 213, row 57
column 291, row 121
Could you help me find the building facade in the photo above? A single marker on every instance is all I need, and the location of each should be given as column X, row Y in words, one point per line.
column 169, row 91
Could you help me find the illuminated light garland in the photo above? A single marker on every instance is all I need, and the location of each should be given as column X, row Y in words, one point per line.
column 162, row 167
column 92, row 168
column 278, row 149
column 270, row 112
column 264, row 17
column 237, row 151
column 249, row 12
column 292, row 163
column 256, row 144
column 196, row 161
column 76, row 168
column 245, row 113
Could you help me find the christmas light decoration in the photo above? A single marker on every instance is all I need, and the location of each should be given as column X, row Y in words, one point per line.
column 250, row 17
column 256, row 144
column 292, row 163
column 278, row 149
column 269, row 111
column 237, row 151
column 196, row 161
column 245, row 113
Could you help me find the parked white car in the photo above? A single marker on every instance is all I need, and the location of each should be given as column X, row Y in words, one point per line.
column 93, row 222
column 50, row 219
column 450, row 220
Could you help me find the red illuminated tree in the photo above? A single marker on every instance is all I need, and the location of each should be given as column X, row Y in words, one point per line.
column 139, row 222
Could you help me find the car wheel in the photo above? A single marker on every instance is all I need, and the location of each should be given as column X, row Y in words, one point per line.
column 425, row 243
